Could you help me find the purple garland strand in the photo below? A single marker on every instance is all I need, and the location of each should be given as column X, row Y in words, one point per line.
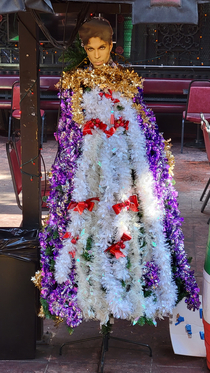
column 167, row 196
column 151, row 274
column 61, row 299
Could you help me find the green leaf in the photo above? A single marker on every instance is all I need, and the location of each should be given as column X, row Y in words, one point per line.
column 106, row 328
column 181, row 291
column 55, row 234
column 87, row 89
column 52, row 265
column 44, row 198
column 74, row 56
column 86, row 254
column 89, row 243
column 49, row 251
column 144, row 320
column 123, row 283
column 120, row 107
column 147, row 293
column 128, row 266
column 70, row 330
column 59, row 187
column 45, row 306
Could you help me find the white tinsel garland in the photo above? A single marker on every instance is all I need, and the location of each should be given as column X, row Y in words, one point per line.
column 106, row 284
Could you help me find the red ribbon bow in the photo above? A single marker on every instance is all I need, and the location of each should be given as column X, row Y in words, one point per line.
column 73, row 240
column 121, row 123
column 110, row 132
column 66, row 235
column 72, row 253
column 117, row 123
column 115, row 249
column 81, row 206
column 91, row 124
column 130, row 203
column 109, row 95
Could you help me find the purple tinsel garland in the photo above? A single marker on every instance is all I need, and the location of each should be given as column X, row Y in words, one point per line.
column 167, row 195
column 61, row 299
column 151, row 276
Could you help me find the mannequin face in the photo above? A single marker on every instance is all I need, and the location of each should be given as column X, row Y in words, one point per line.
column 98, row 51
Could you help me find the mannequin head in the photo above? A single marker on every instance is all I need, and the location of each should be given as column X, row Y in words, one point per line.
column 96, row 36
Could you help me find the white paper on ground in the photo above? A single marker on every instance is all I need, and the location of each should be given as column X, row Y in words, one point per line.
column 182, row 343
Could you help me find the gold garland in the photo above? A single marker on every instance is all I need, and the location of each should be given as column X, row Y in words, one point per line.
column 37, row 279
column 37, row 282
column 116, row 78
column 169, row 156
column 41, row 313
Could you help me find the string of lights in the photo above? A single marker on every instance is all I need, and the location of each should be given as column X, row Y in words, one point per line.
column 32, row 160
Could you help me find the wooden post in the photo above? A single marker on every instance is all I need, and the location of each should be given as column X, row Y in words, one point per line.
column 30, row 119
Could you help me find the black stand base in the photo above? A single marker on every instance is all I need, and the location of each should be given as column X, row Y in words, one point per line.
column 105, row 346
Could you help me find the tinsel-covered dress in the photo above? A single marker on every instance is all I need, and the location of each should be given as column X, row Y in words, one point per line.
column 112, row 244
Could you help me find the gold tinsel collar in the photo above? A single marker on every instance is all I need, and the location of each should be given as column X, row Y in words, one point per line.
column 116, row 78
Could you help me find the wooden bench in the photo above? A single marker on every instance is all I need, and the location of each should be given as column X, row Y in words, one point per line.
column 48, row 92
column 166, row 96
column 162, row 95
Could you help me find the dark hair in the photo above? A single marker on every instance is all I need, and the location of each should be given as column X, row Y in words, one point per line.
column 96, row 27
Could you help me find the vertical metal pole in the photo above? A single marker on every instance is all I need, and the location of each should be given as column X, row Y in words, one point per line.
column 30, row 119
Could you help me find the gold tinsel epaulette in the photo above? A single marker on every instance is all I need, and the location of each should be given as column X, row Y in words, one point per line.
column 117, row 79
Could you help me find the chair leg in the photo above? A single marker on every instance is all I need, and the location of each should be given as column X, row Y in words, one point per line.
column 198, row 134
column 205, row 202
column 182, row 136
column 9, row 128
column 205, row 189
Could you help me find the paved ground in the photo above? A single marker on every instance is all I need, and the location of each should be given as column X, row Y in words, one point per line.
column 191, row 174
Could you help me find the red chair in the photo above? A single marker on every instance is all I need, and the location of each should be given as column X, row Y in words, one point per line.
column 198, row 101
column 13, row 150
column 206, row 135
column 15, row 112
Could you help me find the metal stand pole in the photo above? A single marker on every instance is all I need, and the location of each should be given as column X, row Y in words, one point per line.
column 105, row 346
column 78, row 341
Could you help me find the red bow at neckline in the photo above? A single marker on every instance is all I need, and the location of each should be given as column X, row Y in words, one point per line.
column 115, row 248
column 130, row 203
column 109, row 95
column 91, row 124
column 81, row 206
